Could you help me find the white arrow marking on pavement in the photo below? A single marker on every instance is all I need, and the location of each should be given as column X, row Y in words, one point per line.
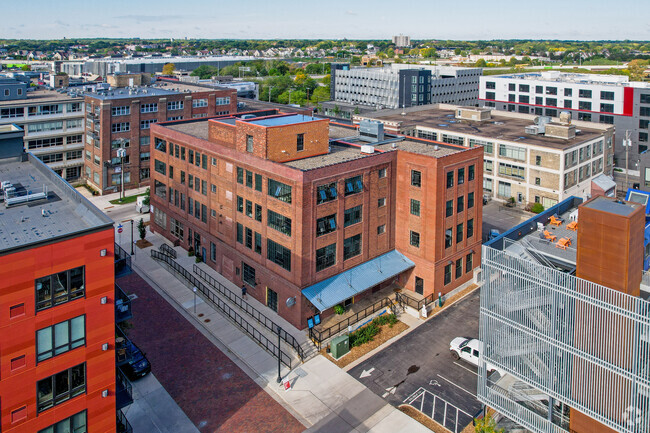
column 390, row 390
column 366, row 373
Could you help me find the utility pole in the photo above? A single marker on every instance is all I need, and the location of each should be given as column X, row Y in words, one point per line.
column 270, row 88
column 121, row 152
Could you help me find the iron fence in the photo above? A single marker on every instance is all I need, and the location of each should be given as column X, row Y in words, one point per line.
column 166, row 249
column 251, row 311
column 122, row 260
column 319, row 336
column 414, row 303
column 230, row 313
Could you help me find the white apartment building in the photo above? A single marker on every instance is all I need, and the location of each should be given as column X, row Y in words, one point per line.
column 607, row 99
column 54, row 128
column 532, row 163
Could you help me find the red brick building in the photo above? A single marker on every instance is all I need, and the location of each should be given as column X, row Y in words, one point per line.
column 57, row 291
column 310, row 214
column 121, row 117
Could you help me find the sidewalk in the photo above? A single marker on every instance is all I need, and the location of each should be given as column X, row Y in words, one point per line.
column 103, row 201
column 323, row 397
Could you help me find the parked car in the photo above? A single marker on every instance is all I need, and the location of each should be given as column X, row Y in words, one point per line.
column 138, row 365
column 469, row 349
column 140, row 207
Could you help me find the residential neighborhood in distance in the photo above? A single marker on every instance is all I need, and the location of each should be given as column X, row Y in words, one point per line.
column 352, row 218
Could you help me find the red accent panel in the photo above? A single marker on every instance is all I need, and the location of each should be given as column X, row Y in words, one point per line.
column 628, row 101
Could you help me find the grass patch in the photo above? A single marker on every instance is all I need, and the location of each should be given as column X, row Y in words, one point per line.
column 128, row 199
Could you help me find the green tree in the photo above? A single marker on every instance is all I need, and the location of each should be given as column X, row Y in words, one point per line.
column 428, row 52
column 142, row 230
column 487, row 425
column 414, row 52
column 480, row 63
column 168, row 69
column 147, row 196
column 25, row 68
column 320, row 94
column 390, row 53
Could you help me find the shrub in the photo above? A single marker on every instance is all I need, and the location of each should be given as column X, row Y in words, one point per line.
column 338, row 309
column 537, row 208
column 142, row 229
column 364, row 335
column 190, row 251
column 386, row 319
column 198, row 258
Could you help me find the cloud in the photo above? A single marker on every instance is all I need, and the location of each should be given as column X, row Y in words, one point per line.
column 61, row 23
column 149, row 18
column 353, row 13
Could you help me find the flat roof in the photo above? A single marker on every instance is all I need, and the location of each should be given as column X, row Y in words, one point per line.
column 41, row 96
column 245, row 104
column 64, row 212
column 198, row 129
column 499, row 127
column 161, row 88
column 612, row 205
column 291, row 119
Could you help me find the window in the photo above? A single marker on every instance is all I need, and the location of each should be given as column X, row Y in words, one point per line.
column 490, row 85
column 461, row 176
column 538, row 181
column 551, row 90
column 160, row 167
column 416, row 178
column 488, row 165
column 240, row 204
column 240, row 233
column 459, row 233
column 325, row 257
column 381, row 229
column 415, row 207
column 568, row 91
column 176, row 228
column 448, row 238
column 45, row 126
column 121, row 111
column 43, row 110
column 149, row 108
column 459, row 268
column 258, row 212
column 222, row 101
column 249, row 239
column 644, row 111
column 449, row 208
column 325, row 225
column 145, row 156
column 279, row 190
column 278, row 222
column 539, row 89
column 249, row 144
column 471, row 173
column 249, row 179
column 470, row 228
column 607, row 108
column 470, row 200
column 551, row 112
column 240, row 175
column 352, row 246
column 258, row 182
column 248, row 274
column 272, row 299
column 450, row 179
column 60, row 338
column 512, row 152
column 144, row 141
column 645, row 98
column 381, row 202
column 278, row 254
column 61, row 387
column 468, row 263
column 352, row 216
column 643, row 123
column 584, row 93
column 74, row 424
column 382, row 173
column 584, row 105
column 524, row 88
column 490, row 95
column 353, row 185
column 460, row 204
column 146, row 124
column 59, row 288
column 198, row 103
column 11, row 113
column 512, row 97
column 568, row 103
column 584, row 116
column 504, row 190
column 551, row 102
column 608, row 96
column 325, row 193
column 300, row 142
column 415, row 239
column 512, row 87
column 249, row 208
column 175, row 105
column 448, row 272
column 539, row 100
column 512, row 170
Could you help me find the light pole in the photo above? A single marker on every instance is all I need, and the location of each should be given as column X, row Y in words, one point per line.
column 132, row 237
column 194, row 290
column 121, row 153
column 270, row 88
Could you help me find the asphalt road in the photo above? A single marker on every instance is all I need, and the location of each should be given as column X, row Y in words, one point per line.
column 421, row 359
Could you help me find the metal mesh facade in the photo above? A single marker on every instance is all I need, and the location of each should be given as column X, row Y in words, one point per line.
column 562, row 341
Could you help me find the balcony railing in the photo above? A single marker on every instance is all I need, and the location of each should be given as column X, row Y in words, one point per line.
column 122, row 262
column 123, row 391
column 122, row 305
column 122, row 347
column 123, row 425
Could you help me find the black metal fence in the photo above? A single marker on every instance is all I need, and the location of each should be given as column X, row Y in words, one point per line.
column 414, row 303
column 235, row 317
column 122, row 261
column 122, row 305
column 318, row 336
column 123, row 425
column 123, row 390
column 166, row 249
column 251, row 311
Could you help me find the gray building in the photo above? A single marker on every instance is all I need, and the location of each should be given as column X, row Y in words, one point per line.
column 53, row 124
column 399, row 86
column 12, row 89
column 609, row 99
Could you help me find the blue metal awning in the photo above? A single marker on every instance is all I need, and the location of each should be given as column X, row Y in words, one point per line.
column 332, row 291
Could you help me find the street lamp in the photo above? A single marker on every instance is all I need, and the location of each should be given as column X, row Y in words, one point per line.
column 270, row 88
column 121, row 153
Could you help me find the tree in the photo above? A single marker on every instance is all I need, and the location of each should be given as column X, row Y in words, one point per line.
column 142, row 230
column 428, row 52
column 321, row 93
column 168, row 69
column 25, row 68
column 486, row 425
column 390, row 53
column 480, row 63
column 147, row 196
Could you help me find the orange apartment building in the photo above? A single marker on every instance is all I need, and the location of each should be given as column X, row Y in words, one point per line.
column 57, row 288
column 309, row 215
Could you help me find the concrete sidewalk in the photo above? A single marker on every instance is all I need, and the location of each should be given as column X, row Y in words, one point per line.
column 323, row 397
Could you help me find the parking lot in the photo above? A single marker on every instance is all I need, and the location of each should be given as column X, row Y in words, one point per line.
column 497, row 216
column 419, row 369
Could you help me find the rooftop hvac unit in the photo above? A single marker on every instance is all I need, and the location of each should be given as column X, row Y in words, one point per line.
column 372, row 130
column 532, row 130
column 367, row 149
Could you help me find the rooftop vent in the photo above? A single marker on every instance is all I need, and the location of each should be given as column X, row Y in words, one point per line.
column 371, row 131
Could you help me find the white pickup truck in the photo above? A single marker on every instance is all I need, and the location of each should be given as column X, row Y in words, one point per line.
column 469, row 349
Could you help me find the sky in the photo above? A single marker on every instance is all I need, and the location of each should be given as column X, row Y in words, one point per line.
column 329, row 19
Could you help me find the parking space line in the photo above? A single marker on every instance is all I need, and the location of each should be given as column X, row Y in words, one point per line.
column 462, row 366
column 457, row 386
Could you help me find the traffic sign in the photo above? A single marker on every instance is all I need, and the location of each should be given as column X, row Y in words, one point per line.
column 119, row 228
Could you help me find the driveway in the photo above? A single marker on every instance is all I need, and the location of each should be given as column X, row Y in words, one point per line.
column 420, row 368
